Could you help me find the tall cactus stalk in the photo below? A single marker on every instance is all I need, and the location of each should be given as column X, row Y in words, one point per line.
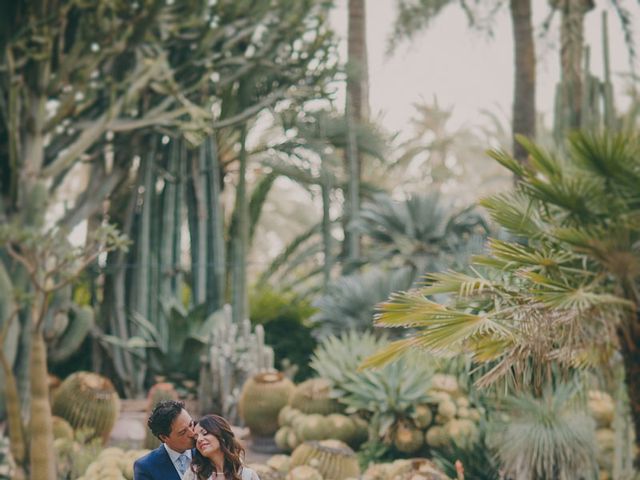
column 326, row 229
column 240, row 242
column 143, row 257
column 41, row 454
column 216, row 268
column 176, row 249
column 197, row 214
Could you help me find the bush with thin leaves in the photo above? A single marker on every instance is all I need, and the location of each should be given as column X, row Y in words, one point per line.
column 546, row 438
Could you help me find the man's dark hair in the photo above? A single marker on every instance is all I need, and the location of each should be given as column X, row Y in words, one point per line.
column 163, row 415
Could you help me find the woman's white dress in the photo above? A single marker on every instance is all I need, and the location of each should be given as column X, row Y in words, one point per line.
column 247, row 474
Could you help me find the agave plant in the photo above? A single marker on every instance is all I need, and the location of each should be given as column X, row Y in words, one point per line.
column 387, row 395
column 564, row 291
column 421, row 231
column 546, row 437
column 350, row 300
column 337, row 356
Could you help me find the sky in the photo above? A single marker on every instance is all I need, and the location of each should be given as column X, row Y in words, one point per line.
column 468, row 70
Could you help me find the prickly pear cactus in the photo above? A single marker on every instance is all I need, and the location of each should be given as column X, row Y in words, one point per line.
column 262, row 397
column 87, row 401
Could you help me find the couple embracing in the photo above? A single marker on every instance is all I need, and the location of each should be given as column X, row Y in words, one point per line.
column 217, row 454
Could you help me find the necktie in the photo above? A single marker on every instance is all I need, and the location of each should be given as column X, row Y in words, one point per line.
column 182, row 462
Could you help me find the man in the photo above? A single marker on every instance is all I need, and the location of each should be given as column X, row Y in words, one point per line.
column 173, row 425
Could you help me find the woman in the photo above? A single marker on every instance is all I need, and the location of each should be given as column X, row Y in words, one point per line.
column 218, row 454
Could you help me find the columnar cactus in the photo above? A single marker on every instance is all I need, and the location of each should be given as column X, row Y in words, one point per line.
column 235, row 353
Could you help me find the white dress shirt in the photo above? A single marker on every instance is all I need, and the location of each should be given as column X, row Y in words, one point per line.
column 174, row 458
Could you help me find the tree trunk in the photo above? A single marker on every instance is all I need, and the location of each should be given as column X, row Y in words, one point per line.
column 14, row 418
column 356, row 111
column 42, row 459
column 569, row 110
column 326, row 229
column 239, row 245
column 630, row 345
column 524, row 91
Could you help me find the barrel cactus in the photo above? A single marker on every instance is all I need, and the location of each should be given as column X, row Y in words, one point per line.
column 332, row 458
column 261, row 399
column 88, row 401
column 157, row 393
column 61, row 428
column 407, row 438
column 304, row 472
column 314, row 396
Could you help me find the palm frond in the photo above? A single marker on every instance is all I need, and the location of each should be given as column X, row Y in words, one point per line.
column 458, row 283
column 516, row 212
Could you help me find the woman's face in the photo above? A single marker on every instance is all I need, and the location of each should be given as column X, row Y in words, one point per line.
column 206, row 443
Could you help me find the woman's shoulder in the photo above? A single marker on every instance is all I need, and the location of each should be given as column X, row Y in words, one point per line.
column 249, row 474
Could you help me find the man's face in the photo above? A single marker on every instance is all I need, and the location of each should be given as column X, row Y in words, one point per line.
column 182, row 436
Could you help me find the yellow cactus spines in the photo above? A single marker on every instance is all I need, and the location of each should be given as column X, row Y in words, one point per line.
column 332, row 458
column 88, row 401
column 304, row 472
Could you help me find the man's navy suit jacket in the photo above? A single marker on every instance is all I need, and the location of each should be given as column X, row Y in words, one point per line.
column 155, row 465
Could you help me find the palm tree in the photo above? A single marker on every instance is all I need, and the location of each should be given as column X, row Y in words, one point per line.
column 414, row 16
column 565, row 290
column 356, row 112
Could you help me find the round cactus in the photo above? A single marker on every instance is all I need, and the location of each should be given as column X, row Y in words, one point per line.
column 422, row 416
column 281, row 437
column 341, row 427
column 415, row 468
column 87, row 401
column 281, row 463
column 312, row 427
column 157, row 393
column 304, row 472
column 61, row 428
column 261, row 400
column 265, row 472
column 332, row 458
column 314, row 396
column 407, row 438
column 436, row 437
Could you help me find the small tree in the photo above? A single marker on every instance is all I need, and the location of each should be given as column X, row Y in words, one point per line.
column 564, row 290
column 51, row 263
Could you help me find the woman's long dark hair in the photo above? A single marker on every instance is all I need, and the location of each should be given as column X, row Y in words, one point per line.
column 229, row 446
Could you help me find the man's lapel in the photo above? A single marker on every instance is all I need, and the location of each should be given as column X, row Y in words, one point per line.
column 168, row 468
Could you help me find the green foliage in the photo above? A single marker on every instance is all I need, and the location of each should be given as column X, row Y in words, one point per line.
column 350, row 300
column 421, row 231
column 75, row 455
column 546, row 437
column 570, row 280
column 286, row 329
column 388, row 395
column 336, row 357
column 478, row 460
